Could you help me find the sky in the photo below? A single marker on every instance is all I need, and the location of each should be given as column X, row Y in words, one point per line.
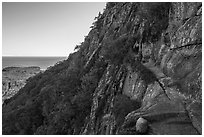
column 46, row 29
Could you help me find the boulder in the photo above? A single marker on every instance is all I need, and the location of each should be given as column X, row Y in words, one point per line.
column 141, row 125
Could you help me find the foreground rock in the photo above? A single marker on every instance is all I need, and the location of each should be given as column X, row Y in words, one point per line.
column 141, row 125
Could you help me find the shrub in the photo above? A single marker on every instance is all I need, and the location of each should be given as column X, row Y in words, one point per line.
column 122, row 106
column 156, row 16
column 115, row 51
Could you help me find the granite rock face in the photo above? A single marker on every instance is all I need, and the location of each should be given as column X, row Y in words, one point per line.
column 171, row 66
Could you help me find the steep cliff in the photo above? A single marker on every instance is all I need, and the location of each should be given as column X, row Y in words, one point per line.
column 137, row 72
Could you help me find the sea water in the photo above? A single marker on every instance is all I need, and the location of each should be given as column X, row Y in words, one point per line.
column 42, row 62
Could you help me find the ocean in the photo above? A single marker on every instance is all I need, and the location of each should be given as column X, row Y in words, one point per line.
column 42, row 62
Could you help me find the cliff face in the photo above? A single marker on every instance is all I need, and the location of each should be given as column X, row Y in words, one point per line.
column 170, row 40
column 139, row 60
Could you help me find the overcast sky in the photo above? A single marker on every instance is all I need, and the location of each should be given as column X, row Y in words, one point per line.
column 46, row 29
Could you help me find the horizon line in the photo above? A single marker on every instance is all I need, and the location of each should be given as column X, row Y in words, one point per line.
column 30, row 56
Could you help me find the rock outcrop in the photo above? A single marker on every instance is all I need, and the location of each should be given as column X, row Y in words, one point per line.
column 172, row 63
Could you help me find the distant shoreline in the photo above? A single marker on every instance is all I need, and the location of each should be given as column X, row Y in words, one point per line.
column 29, row 67
column 14, row 78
